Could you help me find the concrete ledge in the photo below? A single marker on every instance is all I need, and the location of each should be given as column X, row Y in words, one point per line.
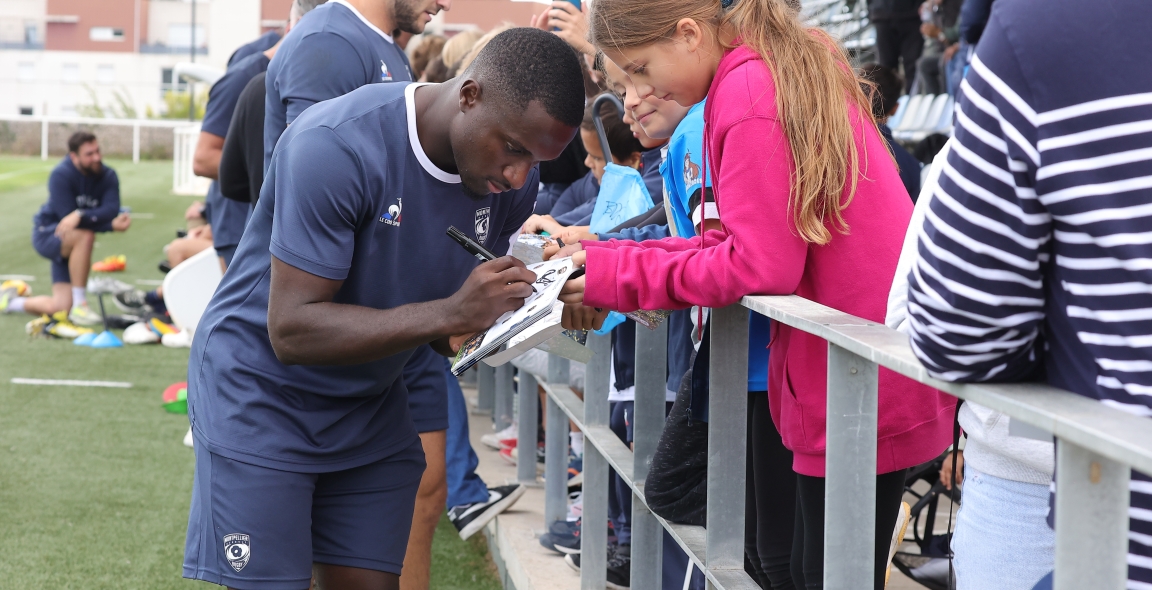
column 514, row 536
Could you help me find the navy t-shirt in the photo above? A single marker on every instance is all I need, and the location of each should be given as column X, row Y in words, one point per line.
column 331, row 53
column 350, row 196
column 261, row 44
column 227, row 216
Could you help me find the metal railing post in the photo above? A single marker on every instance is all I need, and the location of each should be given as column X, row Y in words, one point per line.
column 505, row 389
column 850, row 470
column 1091, row 520
column 648, row 416
column 526, row 426
column 485, row 388
column 727, row 437
column 136, row 142
column 594, row 528
column 555, row 449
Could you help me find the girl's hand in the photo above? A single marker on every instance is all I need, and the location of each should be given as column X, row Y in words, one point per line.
column 568, row 22
column 571, row 25
column 568, row 250
column 542, row 223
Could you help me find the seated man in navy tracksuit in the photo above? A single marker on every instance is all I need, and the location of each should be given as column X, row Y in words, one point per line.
column 83, row 199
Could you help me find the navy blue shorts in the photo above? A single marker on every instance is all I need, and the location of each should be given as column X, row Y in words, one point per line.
column 427, row 389
column 46, row 243
column 226, row 252
column 257, row 527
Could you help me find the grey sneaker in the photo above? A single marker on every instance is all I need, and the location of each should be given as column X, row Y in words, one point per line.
column 98, row 285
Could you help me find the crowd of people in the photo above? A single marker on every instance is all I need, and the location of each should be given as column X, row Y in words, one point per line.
column 330, row 434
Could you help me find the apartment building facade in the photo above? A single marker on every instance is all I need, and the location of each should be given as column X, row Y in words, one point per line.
column 60, row 57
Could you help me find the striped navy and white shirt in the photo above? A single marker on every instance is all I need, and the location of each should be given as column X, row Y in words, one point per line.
column 1037, row 248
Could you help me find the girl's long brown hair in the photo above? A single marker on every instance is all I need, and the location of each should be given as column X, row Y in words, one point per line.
column 814, row 87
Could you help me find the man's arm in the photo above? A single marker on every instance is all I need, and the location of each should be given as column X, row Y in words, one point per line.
column 976, row 289
column 307, row 328
column 206, row 160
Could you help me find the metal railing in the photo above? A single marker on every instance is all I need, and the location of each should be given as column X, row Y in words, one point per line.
column 1096, row 448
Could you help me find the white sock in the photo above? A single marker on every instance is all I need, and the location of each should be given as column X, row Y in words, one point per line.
column 79, row 296
column 16, row 304
column 576, row 439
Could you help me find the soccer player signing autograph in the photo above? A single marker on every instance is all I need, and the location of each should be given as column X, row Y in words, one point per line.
column 305, row 452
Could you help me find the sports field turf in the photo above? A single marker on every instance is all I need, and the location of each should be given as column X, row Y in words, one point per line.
column 94, row 482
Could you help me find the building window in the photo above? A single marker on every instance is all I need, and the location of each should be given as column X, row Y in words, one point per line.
column 105, row 74
column 105, row 34
column 26, row 71
column 70, row 73
column 167, row 83
column 27, row 111
column 180, row 36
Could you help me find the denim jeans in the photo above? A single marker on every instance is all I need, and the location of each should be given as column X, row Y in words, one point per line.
column 1002, row 537
column 464, row 486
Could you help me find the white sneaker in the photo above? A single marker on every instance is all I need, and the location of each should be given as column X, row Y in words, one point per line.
column 82, row 315
column 188, row 438
column 494, row 440
column 181, row 339
column 140, row 333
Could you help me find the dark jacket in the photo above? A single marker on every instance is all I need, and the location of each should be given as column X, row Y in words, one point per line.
column 97, row 197
column 893, row 10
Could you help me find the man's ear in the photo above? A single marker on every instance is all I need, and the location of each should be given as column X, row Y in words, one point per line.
column 470, row 94
column 633, row 160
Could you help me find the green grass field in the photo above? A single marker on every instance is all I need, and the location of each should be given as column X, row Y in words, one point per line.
column 94, row 482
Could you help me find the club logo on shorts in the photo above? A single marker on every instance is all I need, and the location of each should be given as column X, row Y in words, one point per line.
column 483, row 217
column 237, row 548
column 385, row 75
column 392, row 217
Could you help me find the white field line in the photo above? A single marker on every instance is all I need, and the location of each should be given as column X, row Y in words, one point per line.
column 70, row 382
column 28, row 278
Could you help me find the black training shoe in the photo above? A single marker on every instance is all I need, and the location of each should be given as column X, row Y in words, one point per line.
column 469, row 518
column 132, row 301
column 619, row 566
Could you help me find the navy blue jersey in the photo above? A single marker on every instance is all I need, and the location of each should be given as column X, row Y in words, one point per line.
column 650, row 172
column 96, row 196
column 331, row 53
column 226, row 91
column 260, row 45
column 228, row 216
column 350, row 196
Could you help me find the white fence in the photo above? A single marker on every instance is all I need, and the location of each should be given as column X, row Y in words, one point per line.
column 184, row 137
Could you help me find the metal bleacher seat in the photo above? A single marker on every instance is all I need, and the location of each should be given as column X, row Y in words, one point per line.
column 921, row 116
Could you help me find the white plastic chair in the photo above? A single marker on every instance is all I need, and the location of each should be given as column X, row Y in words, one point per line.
column 894, row 120
column 189, row 287
column 914, row 113
column 931, row 122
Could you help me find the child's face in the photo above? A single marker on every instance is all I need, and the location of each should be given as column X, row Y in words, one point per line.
column 680, row 69
column 652, row 120
column 595, row 160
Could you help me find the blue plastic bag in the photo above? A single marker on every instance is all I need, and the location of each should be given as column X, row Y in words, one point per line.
column 622, row 196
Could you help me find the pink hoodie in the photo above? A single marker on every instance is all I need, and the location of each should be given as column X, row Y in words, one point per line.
column 760, row 252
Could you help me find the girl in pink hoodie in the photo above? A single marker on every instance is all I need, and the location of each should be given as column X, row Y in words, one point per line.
column 811, row 204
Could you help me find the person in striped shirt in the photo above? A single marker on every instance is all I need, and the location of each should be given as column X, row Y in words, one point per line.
column 1035, row 256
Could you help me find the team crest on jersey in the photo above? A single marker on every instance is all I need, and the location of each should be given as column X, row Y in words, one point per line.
column 385, row 75
column 483, row 219
column 691, row 171
column 392, row 217
column 237, row 548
